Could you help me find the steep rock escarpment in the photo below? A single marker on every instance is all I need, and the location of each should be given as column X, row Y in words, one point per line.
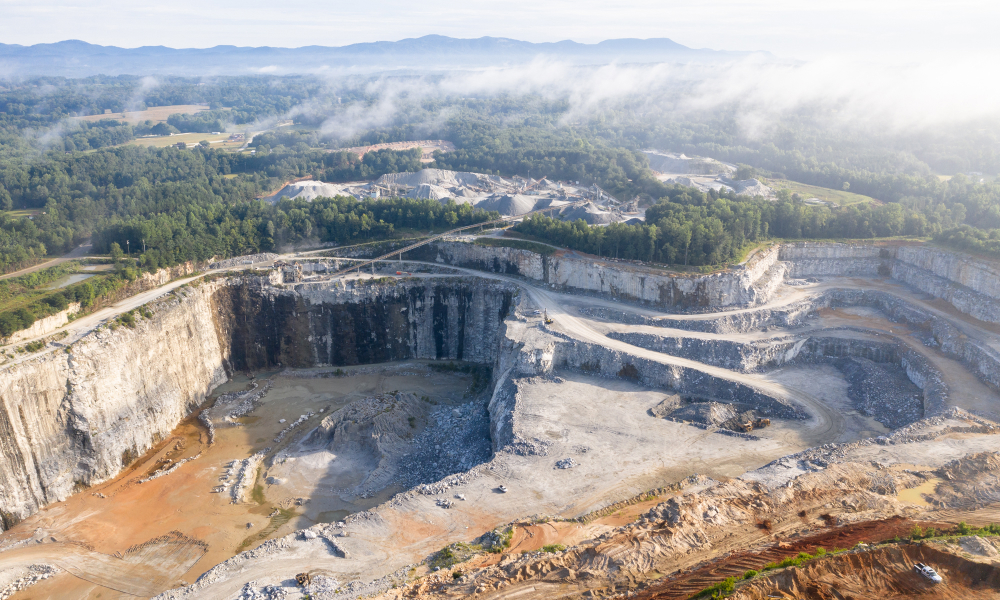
column 745, row 285
column 77, row 416
column 325, row 324
column 72, row 418
column 970, row 284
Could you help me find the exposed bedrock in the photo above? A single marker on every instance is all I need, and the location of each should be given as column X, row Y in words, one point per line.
column 762, row 355
column 324, row 324
column 982, row 360
column 70, row 419
column 969, row 284
column 745, row 285
column 538, row 353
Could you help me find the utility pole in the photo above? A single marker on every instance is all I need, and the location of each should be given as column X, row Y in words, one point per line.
column 143, row 245
column 128, row 248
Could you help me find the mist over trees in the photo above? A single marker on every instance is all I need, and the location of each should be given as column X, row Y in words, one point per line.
column 82, row 179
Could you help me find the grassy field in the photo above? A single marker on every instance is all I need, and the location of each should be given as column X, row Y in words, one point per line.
column 218, row 141
column 838, row 197
column 24, row 212
column 157, row 114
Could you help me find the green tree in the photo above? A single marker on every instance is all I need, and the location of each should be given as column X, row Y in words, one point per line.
column 116, row 252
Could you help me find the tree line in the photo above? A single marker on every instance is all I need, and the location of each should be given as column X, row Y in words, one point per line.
column 691, row 228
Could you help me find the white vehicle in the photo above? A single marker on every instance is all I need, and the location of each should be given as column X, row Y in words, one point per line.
column 503, row 489
column 927, row 572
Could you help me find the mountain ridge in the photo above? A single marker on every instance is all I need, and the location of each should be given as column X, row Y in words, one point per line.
column 77, row 58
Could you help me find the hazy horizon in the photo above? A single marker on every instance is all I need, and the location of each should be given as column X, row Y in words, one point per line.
column 893, row 30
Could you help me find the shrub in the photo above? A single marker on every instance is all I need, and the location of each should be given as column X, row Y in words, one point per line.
column 750, row 574
column 553, row 548
column 56, row 301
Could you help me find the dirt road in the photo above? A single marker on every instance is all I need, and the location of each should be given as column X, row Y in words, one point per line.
column 79, row 252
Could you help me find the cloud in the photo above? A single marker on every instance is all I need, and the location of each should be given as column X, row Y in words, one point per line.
column 759, row 90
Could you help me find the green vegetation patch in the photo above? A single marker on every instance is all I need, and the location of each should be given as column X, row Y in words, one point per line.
column 454, row 554
column 283, row 516
column 805, row 191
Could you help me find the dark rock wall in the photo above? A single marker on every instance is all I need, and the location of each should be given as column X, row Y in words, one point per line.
column 267, row 327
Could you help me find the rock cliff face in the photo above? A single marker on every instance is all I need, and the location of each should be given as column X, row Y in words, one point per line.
column 70, row 419
column 748, row 284
column 853, row 260
column 46, row 325
column 324, row 324
column 75, row 417
column 969, row 284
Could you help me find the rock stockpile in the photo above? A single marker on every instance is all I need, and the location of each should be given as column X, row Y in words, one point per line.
column 885, row 394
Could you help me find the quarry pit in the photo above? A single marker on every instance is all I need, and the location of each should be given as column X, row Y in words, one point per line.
column 277, row 420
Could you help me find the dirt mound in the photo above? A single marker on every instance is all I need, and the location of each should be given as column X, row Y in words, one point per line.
column 879, row 574
column 682, row 586
column 969, row 482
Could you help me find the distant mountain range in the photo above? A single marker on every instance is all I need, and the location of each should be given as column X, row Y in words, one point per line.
column 74, row 58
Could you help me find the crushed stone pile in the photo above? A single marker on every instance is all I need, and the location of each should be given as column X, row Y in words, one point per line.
column 405, row 440
column 429, row 191
column 589, row 212
column 238, row 261
column 882, row 392
column 308, row 190
column 668, row 162
column 438, row 177
column 704, row 412
column 748, row 187
column 509, row 205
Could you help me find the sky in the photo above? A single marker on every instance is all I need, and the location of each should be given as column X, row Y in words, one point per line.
column 894, row 30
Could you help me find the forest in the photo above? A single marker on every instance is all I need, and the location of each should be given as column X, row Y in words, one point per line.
column 62, row 183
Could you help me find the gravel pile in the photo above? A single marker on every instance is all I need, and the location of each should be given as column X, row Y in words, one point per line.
column 882, row 391
column 453, row 442
column 29, row 577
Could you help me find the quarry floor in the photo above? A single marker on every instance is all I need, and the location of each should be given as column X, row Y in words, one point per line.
column 113, row 516
column 603, row 424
